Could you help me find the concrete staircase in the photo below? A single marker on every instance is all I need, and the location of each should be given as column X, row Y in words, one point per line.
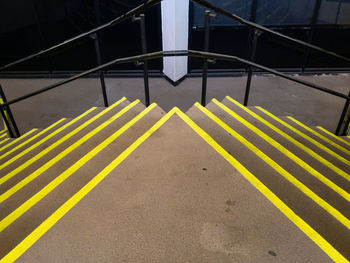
column 221, row 183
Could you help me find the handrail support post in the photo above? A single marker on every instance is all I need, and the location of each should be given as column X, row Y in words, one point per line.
column 101, row 73
column 141, row 19
column 10, row 116
column 255, row 36
column 207, row 17
column 342, row 121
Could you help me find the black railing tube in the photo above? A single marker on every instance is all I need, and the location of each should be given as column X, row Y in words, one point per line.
column 239, row 19
column 6, row 123
column 342, row 118
column 101, row 73
column 250, row 70
column 131, row 13
column 145, row 64
column 205, row 61
column 10, row 116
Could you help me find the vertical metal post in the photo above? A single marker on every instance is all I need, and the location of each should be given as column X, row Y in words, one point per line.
column 145, row 63
column 9, row 113
column 346, row 127
column 6, row 122
column 101, row 73
column 250, row 70
column 205, row 62
column 342, row 117
column 311, row 33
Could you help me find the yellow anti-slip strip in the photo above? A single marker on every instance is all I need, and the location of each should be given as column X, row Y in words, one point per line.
column 62, row 154
column 319, row 135
column 31, row 139
column 322, row 203
column 59, row 213
column 333, row 135
column 18, row 139
column 4, row 140
column 3, row 135
column 46, row 138
column 286, row 152
column 3, row 131
column 57, row 143
column 58, row 180
column 298, row 144
column 319, row 145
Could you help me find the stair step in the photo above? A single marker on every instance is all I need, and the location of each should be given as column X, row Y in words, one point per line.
column 331, row 136
column 335, row 147
column 9, row 154
column 17, row 141
column 310, row 161
column 172, row 192
column 322, row 151
column 308, row 197
column 30, row 156
column 5, row 141
column 83, row 164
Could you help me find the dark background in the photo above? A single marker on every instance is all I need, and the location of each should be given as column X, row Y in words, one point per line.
column 27, row 26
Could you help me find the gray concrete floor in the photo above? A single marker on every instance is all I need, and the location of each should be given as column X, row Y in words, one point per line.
column 280, row 96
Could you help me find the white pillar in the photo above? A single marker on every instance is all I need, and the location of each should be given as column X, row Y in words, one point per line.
column 175, row 36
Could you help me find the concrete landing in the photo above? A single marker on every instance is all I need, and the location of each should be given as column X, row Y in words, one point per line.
column 174, row 199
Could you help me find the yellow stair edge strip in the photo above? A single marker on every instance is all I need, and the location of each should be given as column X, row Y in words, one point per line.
column 333, row 135
column 32, row 138
column 4, row 140
column 319, row 135
column 57, row 143
column 18, row 139
column 63, row 176
column 60, row 156
column 65, row 208
column 3, row 131
column 308, row 138
column 286, row 152
column 295, row 142
column 289, row 177
column 24, row 152
column 3, row 135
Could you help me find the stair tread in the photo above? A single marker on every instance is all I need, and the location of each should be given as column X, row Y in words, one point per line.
column 64, row 140
column 80, row 177
column 335, row 147
column 318, row 218
column 335, row 161
column 17, row 141
column 307, row 158
column 337, row 139
column 10, row 153
column 160, row 199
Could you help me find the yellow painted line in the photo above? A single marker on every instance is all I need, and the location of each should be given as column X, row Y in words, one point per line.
column 3, row 135
column 333, row 135
column 31, row 139
column 308, row 138
column 3, row 131
column 286, row 152
column 303, row 188
column 61, row 155
column 57, row 143
column 65, row 208
column 62, row 177
column 27, row 150
column 4, row 140
column 319, row 135
column 298, row 144
column 18, row 139
column 60, row 212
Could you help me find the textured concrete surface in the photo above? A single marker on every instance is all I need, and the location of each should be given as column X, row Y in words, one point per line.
column 157, row 207
column 280, row 96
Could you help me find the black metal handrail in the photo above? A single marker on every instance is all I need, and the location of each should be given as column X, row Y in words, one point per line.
column 206, row 55
column 189, row 53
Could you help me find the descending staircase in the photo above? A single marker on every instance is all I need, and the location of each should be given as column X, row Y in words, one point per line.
column 221, row 183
